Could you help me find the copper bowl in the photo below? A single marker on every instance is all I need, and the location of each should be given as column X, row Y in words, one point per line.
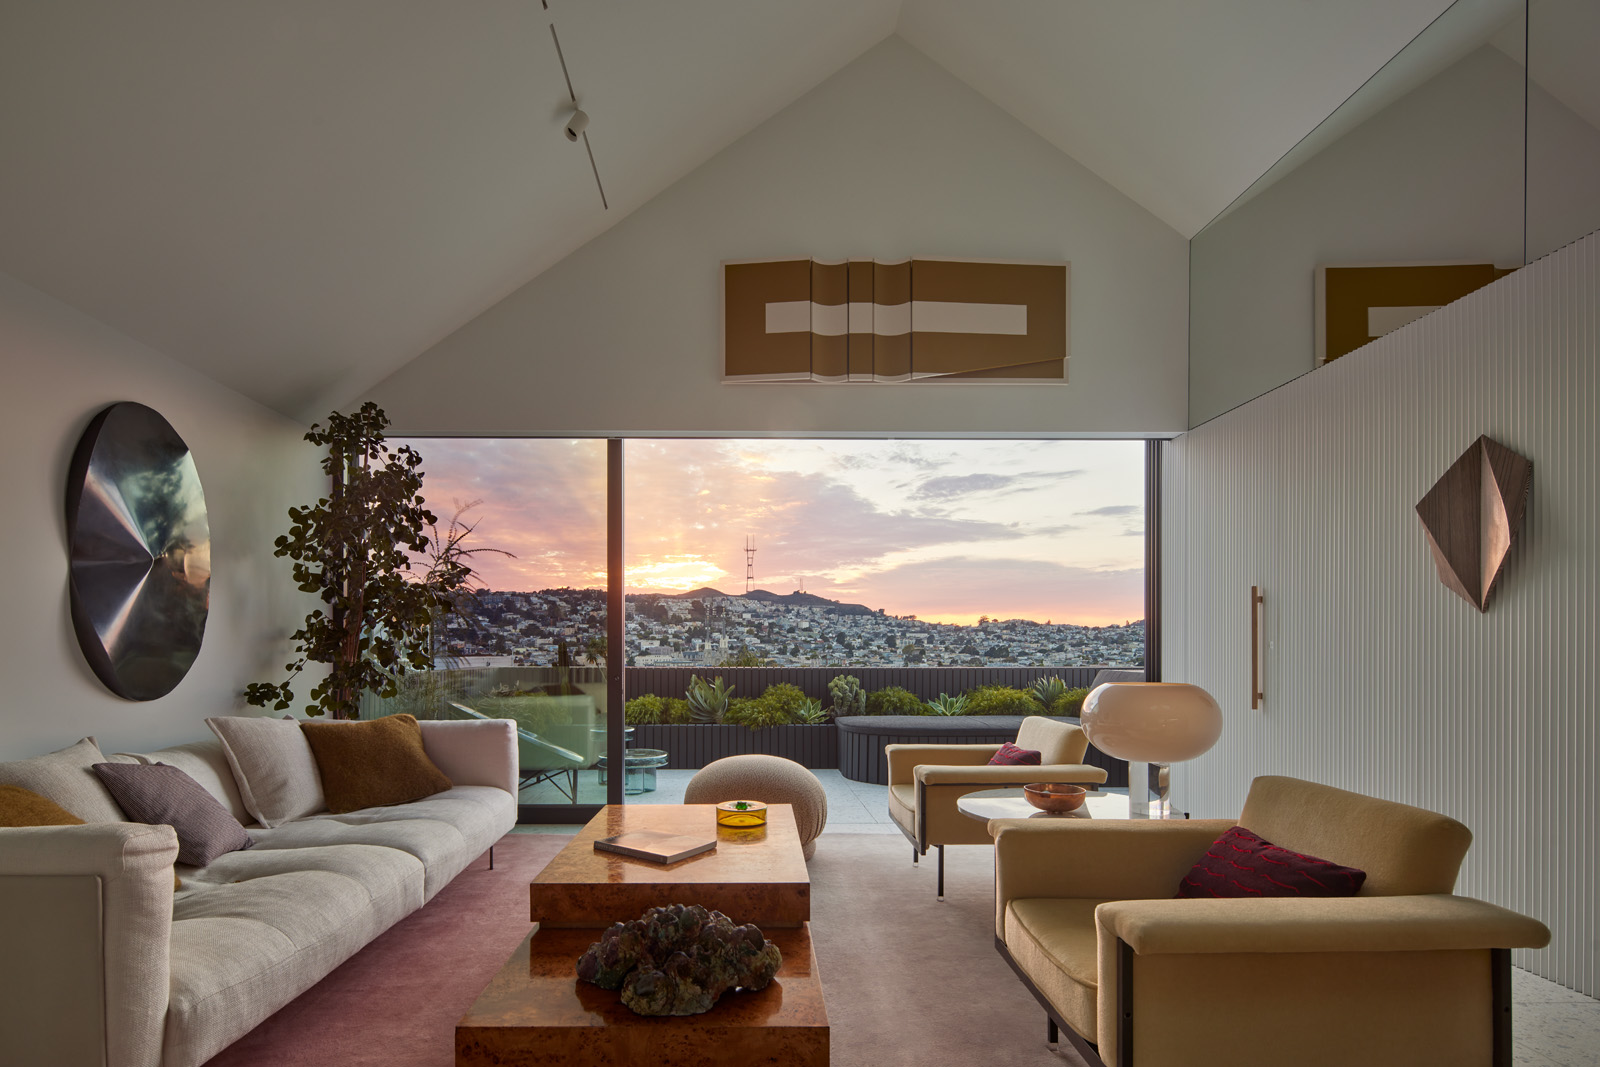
column 1055, row 796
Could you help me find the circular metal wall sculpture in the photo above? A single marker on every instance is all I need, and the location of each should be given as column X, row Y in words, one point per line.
column 140, row 550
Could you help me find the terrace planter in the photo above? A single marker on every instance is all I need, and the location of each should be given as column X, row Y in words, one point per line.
column 862, row 737
column 691, row 746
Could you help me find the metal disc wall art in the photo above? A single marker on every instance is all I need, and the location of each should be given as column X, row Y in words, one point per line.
column 140, row 551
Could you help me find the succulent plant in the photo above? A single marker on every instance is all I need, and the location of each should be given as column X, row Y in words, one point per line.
column 848, row 696
column 708, row 701
column 948, row 705
column 812, row 713
column 1048, row 690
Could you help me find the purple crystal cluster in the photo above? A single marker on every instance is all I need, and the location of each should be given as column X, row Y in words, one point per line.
column 678, row 960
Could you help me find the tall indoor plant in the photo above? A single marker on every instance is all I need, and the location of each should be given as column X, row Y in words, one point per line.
column 355, row 548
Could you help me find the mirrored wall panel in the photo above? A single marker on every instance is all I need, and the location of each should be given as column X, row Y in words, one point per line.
column 1406, row 198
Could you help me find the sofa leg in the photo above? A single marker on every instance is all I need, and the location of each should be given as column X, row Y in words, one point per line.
column 1052, row 1036
column 491, row 857
column 1500, row 992
column 914, row 855
column 941, row 872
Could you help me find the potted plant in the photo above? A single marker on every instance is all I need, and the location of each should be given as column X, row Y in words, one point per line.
column 358, row 548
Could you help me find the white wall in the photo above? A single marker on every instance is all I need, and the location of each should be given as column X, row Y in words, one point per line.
column 1438, row 175
column 1377, row 678
column 61, row 368
column 890, row 157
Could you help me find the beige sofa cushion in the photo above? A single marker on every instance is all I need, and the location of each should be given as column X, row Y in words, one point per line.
column 1053, row 941
column 207, row 763
column 273, row 767
column 65, row 777
column 445, row 832
column 256, row 929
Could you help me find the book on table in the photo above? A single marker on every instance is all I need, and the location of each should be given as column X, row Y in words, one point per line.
column 656, row 846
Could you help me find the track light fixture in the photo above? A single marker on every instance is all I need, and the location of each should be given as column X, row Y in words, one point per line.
column 576, row 124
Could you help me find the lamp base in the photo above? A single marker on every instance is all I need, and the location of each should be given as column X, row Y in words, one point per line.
column 1149, row 790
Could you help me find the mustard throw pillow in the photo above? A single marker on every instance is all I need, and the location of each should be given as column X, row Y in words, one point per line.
column 373, row 763
column 23, row 807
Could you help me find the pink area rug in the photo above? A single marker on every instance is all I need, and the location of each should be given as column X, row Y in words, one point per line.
column 395, row 1003
column 909, row 980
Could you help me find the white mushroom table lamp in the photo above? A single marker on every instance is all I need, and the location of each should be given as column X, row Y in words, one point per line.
column 1150, row 722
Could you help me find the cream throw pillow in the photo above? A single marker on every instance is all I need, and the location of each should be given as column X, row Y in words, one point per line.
column 66, row 778
column 273, row 767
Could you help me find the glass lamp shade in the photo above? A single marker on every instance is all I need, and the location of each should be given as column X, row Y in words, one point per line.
column 1151, row 722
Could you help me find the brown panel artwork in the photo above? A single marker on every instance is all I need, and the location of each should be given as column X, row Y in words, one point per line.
column 861, row 320
column 1472, row 515
column 1356, row 305
column 830, row 322
column 753, row 351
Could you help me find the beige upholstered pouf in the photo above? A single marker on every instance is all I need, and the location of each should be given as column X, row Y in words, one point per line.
column 771, row 779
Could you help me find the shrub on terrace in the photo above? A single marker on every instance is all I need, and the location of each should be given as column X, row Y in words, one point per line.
column 895, row 701
column 757, row 713
column 650, row 709
column 1001, row 700
column 1069, row 703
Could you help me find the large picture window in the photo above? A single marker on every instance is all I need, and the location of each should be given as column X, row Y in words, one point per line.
column 938, row 574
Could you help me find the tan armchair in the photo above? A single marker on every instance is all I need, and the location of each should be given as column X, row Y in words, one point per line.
column 926, row 780
column 1402, row 973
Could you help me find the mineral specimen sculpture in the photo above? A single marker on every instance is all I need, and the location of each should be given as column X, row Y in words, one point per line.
column 678, row 960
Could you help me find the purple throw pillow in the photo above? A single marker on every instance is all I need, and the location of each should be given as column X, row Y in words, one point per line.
column 1242, row 864
column 160, row 794
column 1012, row 756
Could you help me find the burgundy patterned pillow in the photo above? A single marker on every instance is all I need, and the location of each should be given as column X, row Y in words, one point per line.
column 160, row 794
column 1012, row 756
column 1242, row 864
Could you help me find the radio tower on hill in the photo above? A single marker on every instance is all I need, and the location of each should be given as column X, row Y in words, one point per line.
column 749, row 562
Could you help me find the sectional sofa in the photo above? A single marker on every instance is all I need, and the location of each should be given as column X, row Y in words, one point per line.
column 106, row 963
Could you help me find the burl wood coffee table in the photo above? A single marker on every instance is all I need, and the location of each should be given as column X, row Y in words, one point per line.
column 536, row 1011
column 753, row 876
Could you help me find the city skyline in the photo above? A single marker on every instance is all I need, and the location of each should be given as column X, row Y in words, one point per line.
column 945, row 530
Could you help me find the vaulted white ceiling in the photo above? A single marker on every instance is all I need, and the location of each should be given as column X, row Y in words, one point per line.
column 296, row 198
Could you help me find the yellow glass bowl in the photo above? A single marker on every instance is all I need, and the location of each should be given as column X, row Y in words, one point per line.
column 741, row 813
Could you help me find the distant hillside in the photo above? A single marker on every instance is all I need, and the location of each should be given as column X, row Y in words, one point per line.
column 767, row 596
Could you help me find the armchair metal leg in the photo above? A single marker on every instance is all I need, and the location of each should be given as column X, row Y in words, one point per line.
column 941, row 872
column 1500, row 992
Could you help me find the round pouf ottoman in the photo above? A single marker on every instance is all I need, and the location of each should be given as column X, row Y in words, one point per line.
column 771, row 779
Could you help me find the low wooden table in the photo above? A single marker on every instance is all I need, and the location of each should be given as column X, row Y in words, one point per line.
column 753, row 876
column 536, row 1011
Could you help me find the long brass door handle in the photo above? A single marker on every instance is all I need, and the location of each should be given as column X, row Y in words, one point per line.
column 1258, row 602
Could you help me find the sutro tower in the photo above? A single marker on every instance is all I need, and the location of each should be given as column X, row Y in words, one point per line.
column 749, row 562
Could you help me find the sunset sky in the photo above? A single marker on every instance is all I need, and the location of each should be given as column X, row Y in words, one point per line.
column 944, row 530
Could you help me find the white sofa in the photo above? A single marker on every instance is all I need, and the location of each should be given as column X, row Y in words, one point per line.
column 104, row 964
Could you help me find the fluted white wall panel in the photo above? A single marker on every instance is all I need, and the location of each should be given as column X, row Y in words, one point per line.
column 1377, row 678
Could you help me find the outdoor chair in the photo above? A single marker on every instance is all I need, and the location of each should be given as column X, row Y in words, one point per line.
column 925, row 781
column 539, row 760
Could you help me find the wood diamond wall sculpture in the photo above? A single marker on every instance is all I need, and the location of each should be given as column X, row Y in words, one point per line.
column 1473, row 514
column 863, row 321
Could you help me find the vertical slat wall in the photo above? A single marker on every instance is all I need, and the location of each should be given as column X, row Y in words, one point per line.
column 1377, row 678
